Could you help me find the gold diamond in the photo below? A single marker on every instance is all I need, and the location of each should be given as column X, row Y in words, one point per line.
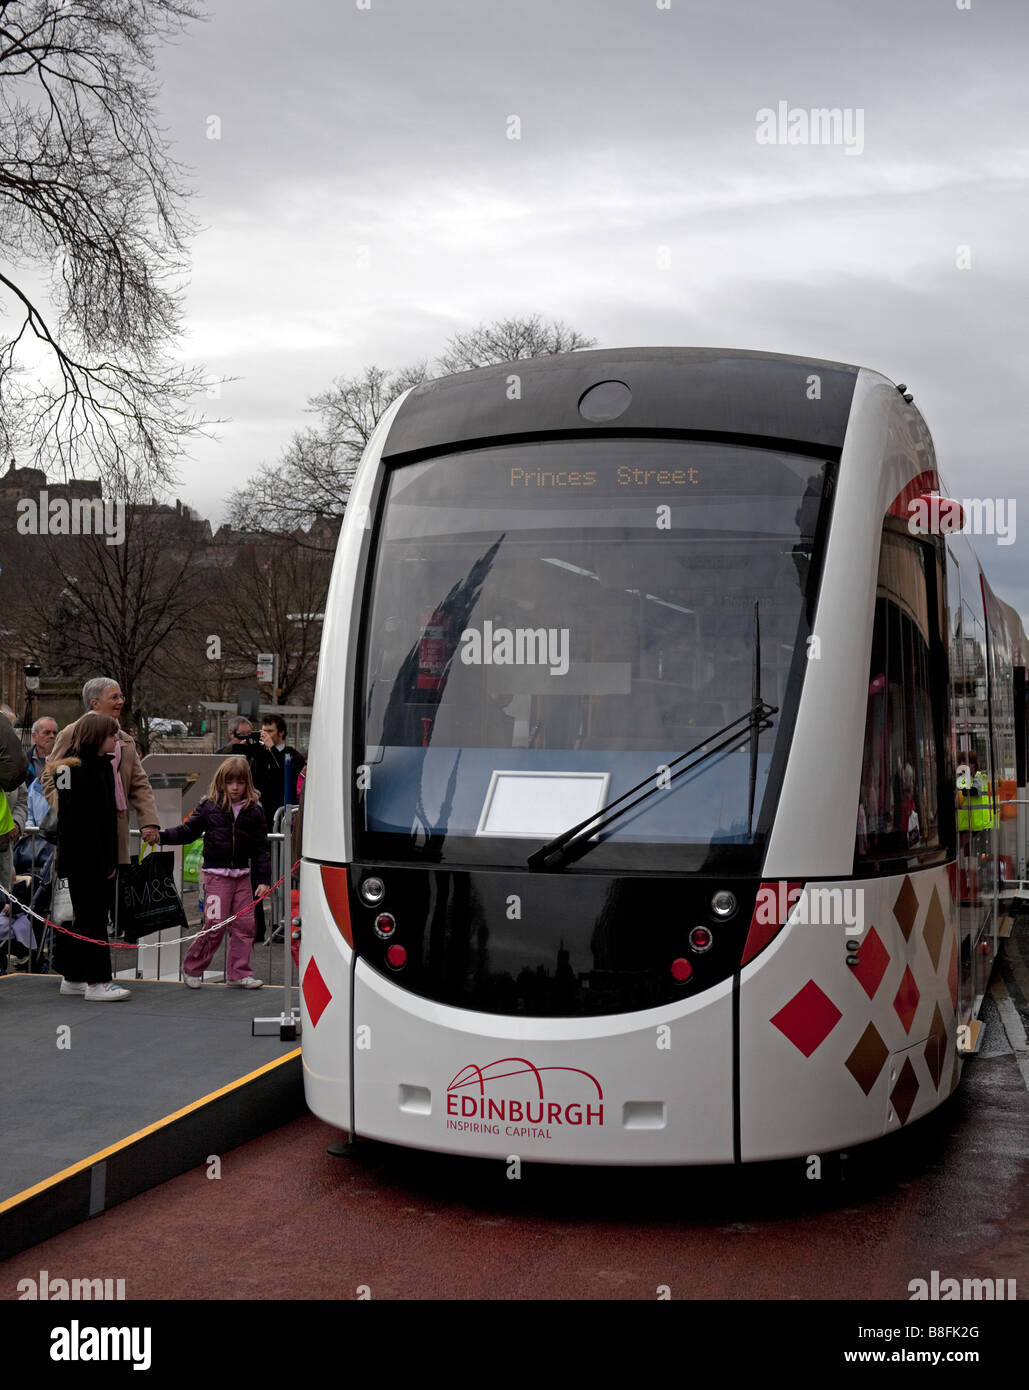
column 866, row 1061
column 935, row 926
column 936, row 1046
column 905, row 909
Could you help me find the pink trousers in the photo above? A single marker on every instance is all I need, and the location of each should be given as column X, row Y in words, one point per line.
column 224, row 896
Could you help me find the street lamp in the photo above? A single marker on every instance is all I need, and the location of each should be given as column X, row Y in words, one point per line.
column 32, row 670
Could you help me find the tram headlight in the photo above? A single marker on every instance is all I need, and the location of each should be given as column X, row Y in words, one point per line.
column 372, row 891
column 723, row 904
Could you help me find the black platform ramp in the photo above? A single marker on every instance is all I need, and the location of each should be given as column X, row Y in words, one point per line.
column 100, row 1101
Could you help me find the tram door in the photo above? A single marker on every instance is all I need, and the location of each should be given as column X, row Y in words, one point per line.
column 1021, row 740
column 971, row 751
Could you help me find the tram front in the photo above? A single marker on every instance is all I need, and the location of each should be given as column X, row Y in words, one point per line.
column 601, row 625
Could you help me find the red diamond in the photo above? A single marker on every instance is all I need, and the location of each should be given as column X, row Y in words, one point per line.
column 316, row 992
column 873, row 958
column 808, row 1019
column 906, row 1001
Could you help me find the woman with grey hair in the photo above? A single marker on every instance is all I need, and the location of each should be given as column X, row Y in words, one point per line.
column 102, row 695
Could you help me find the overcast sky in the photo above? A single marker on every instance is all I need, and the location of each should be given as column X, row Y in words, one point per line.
column 364, row 200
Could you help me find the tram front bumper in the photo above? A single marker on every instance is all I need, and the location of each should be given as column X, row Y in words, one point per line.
column 651, row 1087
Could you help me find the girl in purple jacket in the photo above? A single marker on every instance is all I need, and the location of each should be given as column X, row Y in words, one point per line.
column 235, row 844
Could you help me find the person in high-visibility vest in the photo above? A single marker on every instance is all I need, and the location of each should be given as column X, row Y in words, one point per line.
column 975, row 807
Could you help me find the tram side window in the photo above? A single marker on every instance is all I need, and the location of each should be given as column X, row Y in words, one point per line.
column 898, row 811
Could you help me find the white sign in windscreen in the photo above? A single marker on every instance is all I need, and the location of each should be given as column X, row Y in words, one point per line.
column 537, row 805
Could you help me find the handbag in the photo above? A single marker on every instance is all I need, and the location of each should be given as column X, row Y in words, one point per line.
column 147, row 900
column 61, row 909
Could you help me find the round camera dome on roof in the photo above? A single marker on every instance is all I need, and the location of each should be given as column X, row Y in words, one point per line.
column 605, row 401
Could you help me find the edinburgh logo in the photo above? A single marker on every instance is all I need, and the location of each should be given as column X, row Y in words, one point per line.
column 508, row 1096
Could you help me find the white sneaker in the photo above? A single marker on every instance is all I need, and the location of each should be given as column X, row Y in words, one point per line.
column 192, row 981
column 248, row 982
column 106, row 992
column 73, row 986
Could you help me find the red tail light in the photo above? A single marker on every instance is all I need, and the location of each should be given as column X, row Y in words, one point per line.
column 396, row 956
column 334, row 884
column 681, row 969
column 771, row 908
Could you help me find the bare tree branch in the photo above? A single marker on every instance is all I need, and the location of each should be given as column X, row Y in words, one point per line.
column 270, row 596
column 312, row 479
column 507, row 340
column 122, row 604
column 92, row 203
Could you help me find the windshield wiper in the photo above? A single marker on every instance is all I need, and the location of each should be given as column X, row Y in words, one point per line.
column 577, row 839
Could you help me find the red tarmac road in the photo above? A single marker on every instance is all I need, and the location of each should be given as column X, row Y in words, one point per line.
column 286, row 1220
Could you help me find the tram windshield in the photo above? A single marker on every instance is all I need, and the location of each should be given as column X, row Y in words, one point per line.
column 551, row 623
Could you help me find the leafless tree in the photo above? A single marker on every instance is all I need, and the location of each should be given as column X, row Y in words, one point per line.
column 313, row 477
column 268, row 595
column 133, row 610
column 92, row 240
column 507, row 340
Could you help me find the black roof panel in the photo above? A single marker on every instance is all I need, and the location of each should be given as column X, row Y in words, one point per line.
column 716, row 391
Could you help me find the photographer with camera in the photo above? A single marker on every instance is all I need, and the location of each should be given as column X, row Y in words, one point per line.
column 239, row 734
column 275, row 765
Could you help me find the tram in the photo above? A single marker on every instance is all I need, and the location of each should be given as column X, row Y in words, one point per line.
column 665, row 767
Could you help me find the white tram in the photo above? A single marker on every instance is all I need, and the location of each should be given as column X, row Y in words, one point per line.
column 664, row 776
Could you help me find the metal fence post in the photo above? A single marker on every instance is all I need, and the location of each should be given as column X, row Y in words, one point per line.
column 287, row 1024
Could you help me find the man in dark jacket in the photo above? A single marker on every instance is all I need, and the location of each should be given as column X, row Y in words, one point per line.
column 275, row 766
column 44, row 733
column 13, row 763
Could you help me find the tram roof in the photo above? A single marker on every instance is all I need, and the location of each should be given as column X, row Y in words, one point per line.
column 709, row 391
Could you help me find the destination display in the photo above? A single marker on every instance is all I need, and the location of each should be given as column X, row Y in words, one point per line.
column 625, row 475
column 596, row 472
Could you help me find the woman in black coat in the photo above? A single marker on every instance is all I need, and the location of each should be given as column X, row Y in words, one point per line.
column 87, row 856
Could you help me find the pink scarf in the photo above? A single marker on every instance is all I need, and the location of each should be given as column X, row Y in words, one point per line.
column 119, row 790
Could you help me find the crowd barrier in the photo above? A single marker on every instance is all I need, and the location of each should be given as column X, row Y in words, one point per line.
column 160, row 956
